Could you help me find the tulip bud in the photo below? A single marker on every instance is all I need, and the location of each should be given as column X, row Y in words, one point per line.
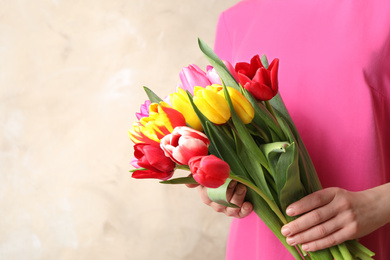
column 209, row 171
column 192, row 76
column 241, row 105
column 262, row 83
column 212, row 105
column 152, row 158
column 184, row 143
column 181, row 103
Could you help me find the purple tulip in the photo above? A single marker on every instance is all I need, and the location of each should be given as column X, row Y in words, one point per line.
column 144, row 110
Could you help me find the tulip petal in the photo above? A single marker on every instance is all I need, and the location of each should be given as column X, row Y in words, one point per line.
column 149, row 174
column 181, row 103
column 212, row 105
column 209, row 171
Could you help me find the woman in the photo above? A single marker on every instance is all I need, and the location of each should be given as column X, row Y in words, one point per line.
column 335, row 80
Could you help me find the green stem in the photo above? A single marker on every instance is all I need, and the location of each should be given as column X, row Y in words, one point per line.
column 262, row 133
column 270, row 109
column 344, row 251
column 272, row 205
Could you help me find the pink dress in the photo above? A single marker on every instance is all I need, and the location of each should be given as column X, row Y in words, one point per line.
column 335, row 80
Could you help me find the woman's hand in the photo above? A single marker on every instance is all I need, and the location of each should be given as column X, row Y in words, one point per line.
column 332, row 216
column 235, row 194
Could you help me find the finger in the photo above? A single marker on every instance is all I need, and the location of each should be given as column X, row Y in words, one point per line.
column 246, row 209
column 231, row 190
column 203, row 195
column 310, row 202
column 316, row 233
column 333, row 239
column 192, row 185
column 238, row 198
column 309, row 220
column 238, row 195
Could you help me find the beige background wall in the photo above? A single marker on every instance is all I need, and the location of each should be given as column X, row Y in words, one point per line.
column 71, row 77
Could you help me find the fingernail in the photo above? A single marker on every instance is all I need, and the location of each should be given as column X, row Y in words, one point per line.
column 290, row 211
column 240, row 191
column 246, row 207
column 305, row 247
column 285, row 231
column 290, row 241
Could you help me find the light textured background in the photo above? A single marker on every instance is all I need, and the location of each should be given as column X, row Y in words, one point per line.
column 71, row 77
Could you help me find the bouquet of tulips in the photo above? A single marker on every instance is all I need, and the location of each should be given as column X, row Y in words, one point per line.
column 231, row 124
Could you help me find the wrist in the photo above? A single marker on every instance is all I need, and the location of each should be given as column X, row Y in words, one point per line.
column 380, row 197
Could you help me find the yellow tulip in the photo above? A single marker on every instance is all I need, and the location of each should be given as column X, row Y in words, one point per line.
column 181, row 103
column 241, row 105
column 212, row 105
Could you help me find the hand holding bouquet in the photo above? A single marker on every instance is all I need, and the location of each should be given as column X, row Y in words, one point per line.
column 231, row 124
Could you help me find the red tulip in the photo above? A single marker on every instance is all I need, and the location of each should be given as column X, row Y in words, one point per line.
column 262, row 83
column 184, row 143
column 153, row 159
column 209, row 171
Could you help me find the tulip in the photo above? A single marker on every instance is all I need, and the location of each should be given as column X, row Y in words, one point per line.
column 213, row 76
column 181, row 103
column 161, row 121
column 134, row 163
column 230, row 67
column 193, row 76
column 184, row 143
column 136, row 134
column 152, row 158
column 241, row 105
column 212, row 105
column 144, row 110
column 262, row 83
column 209, row 171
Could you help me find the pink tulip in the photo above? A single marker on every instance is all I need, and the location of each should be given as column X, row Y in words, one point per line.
column 152, row 158
column 192, row 76
column 184, row 143
column 144, row 110
column 213, row 76
column 134, row 163
column 209, row 171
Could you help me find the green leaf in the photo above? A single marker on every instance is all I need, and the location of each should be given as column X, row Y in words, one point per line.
column 273, row 151
column 309, row 175
column 181, row 180
column 138, row 169
column 152, row 96
column 218, row 195
column 263, row 118
column 218, row 65
column 225, row 148
column 287, row 179
column 264, row 61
